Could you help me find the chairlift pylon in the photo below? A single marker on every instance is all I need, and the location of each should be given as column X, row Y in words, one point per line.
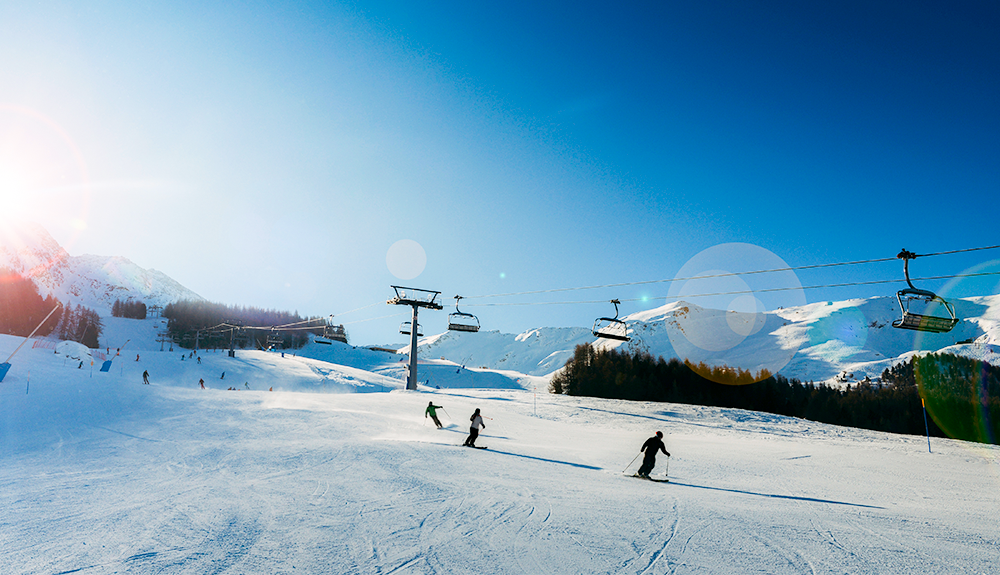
column 916, row 321
column 460, row 321
column 611, row 327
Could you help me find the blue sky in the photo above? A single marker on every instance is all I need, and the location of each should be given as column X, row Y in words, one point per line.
column 270, row 154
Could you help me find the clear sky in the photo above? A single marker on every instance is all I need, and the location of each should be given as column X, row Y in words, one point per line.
column 271, row 153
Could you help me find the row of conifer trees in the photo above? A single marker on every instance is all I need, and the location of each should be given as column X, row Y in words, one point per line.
column 963, row 395
column 22, row 309
column 189, row 320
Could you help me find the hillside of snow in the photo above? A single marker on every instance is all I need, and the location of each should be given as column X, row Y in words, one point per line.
column 89, row 280
column 833, row 342
column 102, row 474
column 829, row 341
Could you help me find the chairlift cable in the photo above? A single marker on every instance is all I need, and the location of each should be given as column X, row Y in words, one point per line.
column 726, row 274
column 777, row 289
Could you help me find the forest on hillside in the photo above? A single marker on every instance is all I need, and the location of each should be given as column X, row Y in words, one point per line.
column 22, row 310
column 962, row 395
column 200, row 323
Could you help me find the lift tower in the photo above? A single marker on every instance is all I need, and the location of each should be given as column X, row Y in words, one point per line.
column 415, row 298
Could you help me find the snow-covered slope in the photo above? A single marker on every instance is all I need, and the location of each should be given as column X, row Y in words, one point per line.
column 534, row 352
column 828, row 341
column 93, row 281
column 102, row 474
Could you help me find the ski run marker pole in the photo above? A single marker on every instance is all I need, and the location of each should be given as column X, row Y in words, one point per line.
column 926, row 428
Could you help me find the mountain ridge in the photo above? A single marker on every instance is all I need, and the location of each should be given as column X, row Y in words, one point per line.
column 91, row 280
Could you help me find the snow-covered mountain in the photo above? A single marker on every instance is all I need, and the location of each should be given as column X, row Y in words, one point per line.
column 93, row 281
column 828, row 341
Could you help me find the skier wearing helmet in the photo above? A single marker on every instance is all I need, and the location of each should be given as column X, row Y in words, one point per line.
column 649, row 448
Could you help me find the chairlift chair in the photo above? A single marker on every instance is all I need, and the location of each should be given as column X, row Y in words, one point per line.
column 917, row 321
column 332, row 333
column 274, row 339
column 404, row 328
column 611, row 327
column 460, row 321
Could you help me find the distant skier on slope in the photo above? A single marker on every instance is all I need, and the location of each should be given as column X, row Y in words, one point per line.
column 477, row 422
column 202, row 382
column 432, row 411
column 145, row 377
column 650, row 448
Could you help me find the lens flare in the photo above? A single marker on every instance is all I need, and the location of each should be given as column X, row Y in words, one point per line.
column 721, row 326
column 406, row 259
column 962, row 396
column 43, row 174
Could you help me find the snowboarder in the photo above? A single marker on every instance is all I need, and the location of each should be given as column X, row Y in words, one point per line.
column 649, row 460
column 202, row 382
column 145, row 377
column 477, row 422
column 432, row 411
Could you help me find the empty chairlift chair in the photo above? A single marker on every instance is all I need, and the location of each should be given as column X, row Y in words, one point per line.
column 274, row 339
column 404, row 328
column 611, row 327
column 921, row 321
column 335, row 333
column 460, row 321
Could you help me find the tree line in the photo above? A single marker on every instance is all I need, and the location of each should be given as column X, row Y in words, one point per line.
column 130, row 309
column 963, row 395
column 22, row 308
column 189, row 320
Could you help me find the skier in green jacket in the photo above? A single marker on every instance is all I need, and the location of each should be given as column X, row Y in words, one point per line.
column 432, row 411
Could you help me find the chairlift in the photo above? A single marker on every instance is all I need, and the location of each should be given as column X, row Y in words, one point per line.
column 611, row 327
column 460, row 321
column 273, row 339
column 404, row 328
column 917, row 321
column 332, row 333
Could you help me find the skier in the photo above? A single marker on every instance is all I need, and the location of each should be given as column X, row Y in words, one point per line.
column 202, row 382
column 223, row 375
column 145, row 377
column 477, row 422
column 649, row 460
column 432, row 411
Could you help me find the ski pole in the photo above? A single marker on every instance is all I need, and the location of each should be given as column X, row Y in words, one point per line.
column 631, row 462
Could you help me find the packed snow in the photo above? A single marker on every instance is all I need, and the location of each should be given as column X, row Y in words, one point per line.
column 103, row 474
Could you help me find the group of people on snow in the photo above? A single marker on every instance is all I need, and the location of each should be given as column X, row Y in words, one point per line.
column 648, row 449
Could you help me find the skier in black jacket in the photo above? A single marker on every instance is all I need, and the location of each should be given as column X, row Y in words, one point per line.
column 649, row 448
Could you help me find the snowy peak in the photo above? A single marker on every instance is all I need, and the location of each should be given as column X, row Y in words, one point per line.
column 94, row 281
column 825, row 341
column 28, row 249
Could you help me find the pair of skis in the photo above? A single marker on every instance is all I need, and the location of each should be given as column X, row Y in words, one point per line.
column 653, row 479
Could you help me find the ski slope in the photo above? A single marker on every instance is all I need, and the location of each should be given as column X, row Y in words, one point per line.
column 101, row 474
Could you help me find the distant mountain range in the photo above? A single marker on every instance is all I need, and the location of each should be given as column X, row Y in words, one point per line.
column 842, row 341
column 93, row 281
